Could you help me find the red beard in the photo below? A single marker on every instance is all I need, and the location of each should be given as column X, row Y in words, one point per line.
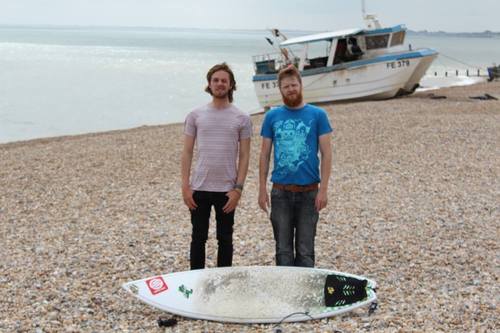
column 293, row 101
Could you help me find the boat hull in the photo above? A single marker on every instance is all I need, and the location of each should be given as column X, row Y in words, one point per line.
column 380, row 78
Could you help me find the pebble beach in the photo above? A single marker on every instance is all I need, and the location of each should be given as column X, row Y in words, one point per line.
column 414, row 204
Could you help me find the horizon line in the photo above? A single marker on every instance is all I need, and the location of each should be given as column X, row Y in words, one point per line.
column 82, row 26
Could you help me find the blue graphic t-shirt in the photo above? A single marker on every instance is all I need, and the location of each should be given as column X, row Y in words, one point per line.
column 295, row 134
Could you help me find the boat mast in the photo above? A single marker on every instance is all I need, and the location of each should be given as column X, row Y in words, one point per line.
column 371, row 20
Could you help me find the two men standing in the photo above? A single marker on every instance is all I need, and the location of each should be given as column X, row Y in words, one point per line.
column 222, row 134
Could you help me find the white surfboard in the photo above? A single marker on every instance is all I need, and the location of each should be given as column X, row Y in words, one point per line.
column 254, row 294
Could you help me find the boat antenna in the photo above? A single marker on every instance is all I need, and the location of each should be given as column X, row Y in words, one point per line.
column 371, row 20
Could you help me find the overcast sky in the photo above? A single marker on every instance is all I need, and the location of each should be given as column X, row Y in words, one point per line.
column 447, row 15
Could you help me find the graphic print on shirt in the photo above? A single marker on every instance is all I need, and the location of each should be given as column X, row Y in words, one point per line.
column 291, row 147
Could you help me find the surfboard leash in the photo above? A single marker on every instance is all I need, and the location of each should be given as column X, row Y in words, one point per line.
column 372, row 308
column 293, row 314
column 278, row 329
column 373, row 305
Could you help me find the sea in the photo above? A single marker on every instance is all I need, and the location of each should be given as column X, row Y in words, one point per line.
column 57, row 81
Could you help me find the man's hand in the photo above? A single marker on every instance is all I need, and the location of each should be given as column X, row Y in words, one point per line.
column 234, row 197
column 187, row 196
column 321, row 200
column 264, row 199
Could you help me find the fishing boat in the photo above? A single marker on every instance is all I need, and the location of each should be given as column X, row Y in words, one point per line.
column 365, row 63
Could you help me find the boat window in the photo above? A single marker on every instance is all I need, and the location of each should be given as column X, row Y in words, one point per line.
column 340, row 51
column 376, row 42
column 318, row 49
column 398, row 38
column 317, row 55
column 347, row 50
column 353, row 48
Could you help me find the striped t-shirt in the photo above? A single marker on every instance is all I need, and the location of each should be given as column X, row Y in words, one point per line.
column 217, row 132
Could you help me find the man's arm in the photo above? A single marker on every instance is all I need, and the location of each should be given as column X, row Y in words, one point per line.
column 265, row 155
column 325, row 148
column 186, row 159
column 243, row 161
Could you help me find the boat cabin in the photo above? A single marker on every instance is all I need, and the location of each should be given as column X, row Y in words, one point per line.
column 331, row 49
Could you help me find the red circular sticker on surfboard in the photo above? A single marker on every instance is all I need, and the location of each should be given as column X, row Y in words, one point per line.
column 156, row 285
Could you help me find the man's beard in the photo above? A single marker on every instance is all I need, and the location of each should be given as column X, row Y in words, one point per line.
column 220, row 94
column 294, row 101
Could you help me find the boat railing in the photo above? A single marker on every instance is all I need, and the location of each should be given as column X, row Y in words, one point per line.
column 271, row 63
column 268, row 63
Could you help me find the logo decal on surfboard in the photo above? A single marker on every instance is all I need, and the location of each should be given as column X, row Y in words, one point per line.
column 185, row 291
column 156, row 285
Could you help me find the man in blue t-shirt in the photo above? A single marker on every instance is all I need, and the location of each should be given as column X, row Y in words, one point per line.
column 297, row 131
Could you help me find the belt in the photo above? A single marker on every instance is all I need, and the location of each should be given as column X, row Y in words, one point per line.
column 296, row 188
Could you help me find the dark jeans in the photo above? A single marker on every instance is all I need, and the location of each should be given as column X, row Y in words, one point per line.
column 294, row 218
column 199, row 220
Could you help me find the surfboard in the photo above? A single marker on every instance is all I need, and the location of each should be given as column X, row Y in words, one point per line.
column 255, row 294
